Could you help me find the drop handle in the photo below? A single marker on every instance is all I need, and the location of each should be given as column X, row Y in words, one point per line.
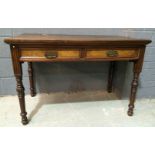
column 51, row 55
column 112, row 53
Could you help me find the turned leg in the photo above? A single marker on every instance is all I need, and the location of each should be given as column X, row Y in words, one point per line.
column 17, row 66
column 137, row 68
column 110, row 76
column 31, row 79
column 134, row 86
column 21, row 96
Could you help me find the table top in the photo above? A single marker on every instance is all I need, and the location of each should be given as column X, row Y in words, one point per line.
column 72, row 39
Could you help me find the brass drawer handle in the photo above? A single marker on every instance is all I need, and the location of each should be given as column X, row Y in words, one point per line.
column 112, row 53
column 51, row 55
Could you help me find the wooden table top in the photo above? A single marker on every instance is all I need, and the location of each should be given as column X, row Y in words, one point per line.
column 73, row 39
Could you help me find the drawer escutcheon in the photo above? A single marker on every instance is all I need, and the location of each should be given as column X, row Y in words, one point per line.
column 112, row 53
column 51, row 55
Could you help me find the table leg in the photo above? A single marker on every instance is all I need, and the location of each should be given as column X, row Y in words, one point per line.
column 17, row 66
column 110, row 76
column 31, row 79
column 134, row 85
column 21, row 96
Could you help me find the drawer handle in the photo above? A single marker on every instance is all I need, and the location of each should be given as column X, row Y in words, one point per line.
column 51, row 55
column 112, row 53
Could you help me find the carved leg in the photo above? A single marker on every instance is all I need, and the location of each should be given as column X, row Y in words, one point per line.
column 30, row 72
column 21, row 96
column 110, row 76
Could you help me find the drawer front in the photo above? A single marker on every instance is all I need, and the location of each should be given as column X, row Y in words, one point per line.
column 69, row 54
column 48, row 54
column 112, row 54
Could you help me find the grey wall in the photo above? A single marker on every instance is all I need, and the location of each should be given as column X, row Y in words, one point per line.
column 70, row 77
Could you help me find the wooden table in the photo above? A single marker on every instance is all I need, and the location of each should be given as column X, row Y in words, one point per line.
column 55, row 48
